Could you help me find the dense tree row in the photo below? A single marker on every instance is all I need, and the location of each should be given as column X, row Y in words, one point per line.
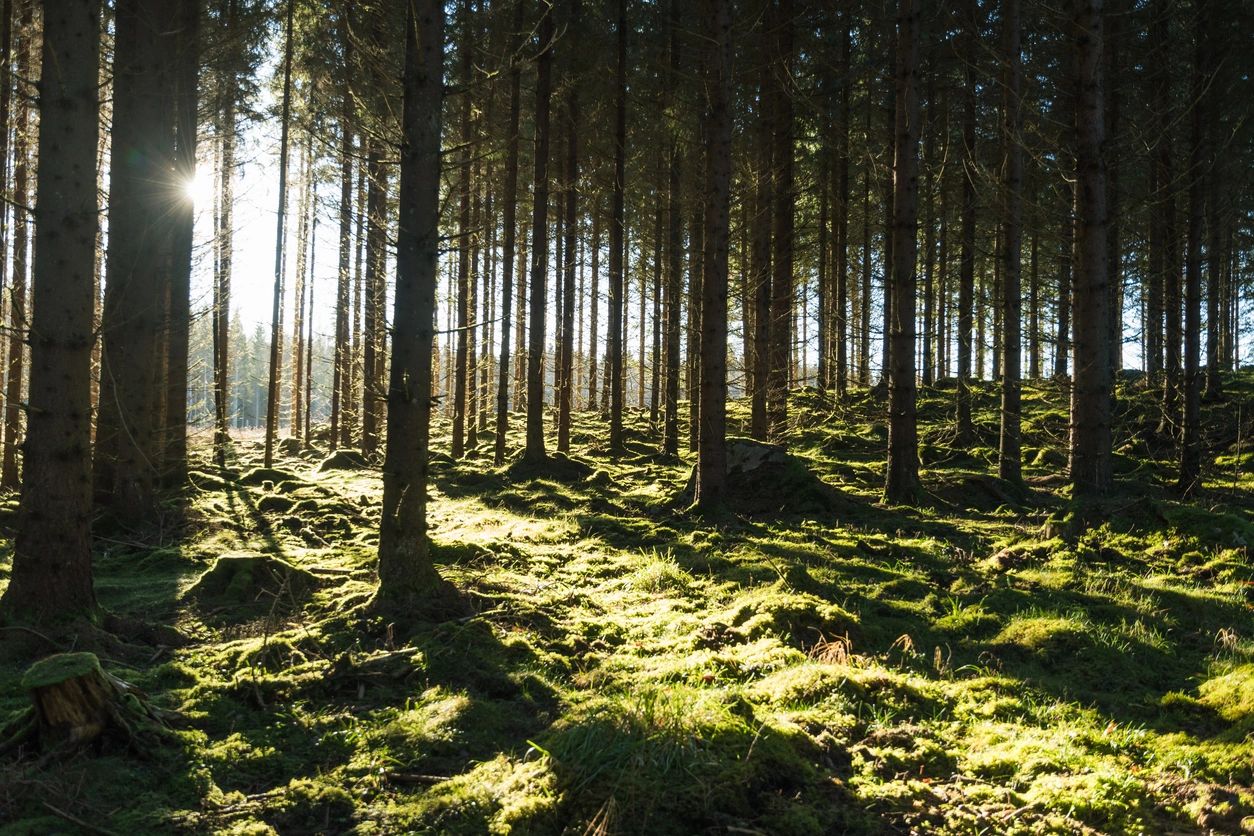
column 606, row 205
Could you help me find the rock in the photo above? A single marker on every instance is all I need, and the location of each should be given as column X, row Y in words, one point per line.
column 745, row 455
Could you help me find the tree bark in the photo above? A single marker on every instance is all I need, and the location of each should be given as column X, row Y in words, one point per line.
column 1009, row 454
column 276, row 311
column 24, row 129
column 1090, row 431
column 128, row 448
column 617, row 233
column 717, row 131
column 782, row 288
column 375, row 351
column 406, row 572
column 534, row 451
column 1190, row 481
column 51, row 579
column 565, row 360
column 902, row 480
column 510, row 222
column 341, row 427
column 966, row 256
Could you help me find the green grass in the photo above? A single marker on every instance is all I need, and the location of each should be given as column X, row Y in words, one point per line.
column 810, row 662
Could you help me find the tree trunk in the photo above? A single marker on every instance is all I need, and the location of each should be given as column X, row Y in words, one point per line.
column 297, row 373
column 902, row 481
column 674, row 245
column 280, row 256
column 565, row 360
column 1090, row 432
column 966, row 257
column 1009, row 455
column 50, row 580
column 842, row 216
column 617, row 232
column 595, row 302
column 760, row 271
column 186, row 107
column 24, row 130
column 534, row 450
column 341, row 428
column 717, row 132
column 406, row 573
column 782, row 288
column 929, row 238
column 510, row 222
column 375, row 351
column 128, row 449
column 223, row 242
column 1190, row 481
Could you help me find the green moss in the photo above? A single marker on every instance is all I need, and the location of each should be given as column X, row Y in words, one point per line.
column 58, row 668
column 1049, row 637
column 1231, row 695
column 251, row 579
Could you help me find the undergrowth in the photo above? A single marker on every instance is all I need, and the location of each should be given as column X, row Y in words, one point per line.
column 828, row 665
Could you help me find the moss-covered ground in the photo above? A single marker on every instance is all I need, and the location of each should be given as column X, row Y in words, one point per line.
column 811, row 661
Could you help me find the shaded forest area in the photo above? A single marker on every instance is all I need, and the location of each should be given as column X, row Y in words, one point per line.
column 740, row 416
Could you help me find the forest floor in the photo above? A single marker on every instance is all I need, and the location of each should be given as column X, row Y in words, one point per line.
column 812, row 661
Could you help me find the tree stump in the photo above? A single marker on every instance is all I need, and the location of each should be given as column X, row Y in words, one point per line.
column 74, row 701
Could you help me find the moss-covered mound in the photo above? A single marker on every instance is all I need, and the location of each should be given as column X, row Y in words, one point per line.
column 343, row 460
column 251, row 579
column 765, row 480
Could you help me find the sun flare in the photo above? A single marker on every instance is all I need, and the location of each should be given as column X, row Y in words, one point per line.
column 199, row 188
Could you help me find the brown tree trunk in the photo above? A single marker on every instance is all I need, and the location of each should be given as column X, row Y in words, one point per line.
column 50, row 580
column 760, row 271
column 375, row 351
column 841, row 266
column 341, row 384
column 966, row 257
column 407, row 576
column 280, row 256
column 128, row 448
column 297, row 373
column 617, row 234
column 782, row 287
column 24, row 139
column 1091, row 413
column 1009, row 454
column 565, row 360
column 1190, row 481
column 902, row 480
column 534, row 450
column 717, row 131
column 674, row 246
column 510, row 221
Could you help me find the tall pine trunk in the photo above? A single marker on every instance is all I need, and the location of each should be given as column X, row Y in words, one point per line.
column 717, row 131
column 50, row 581
column 1091, row 411
column 128, row 448
column 280, row 254
column 902, row 479
column 510, row 221
column 408, row 581
column 617, row 233
column 1008, row 462
column 534, row 450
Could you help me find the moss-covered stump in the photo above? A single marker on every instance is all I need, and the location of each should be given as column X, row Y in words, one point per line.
column 242, row 579
column 765, row 480
column 74, row 701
